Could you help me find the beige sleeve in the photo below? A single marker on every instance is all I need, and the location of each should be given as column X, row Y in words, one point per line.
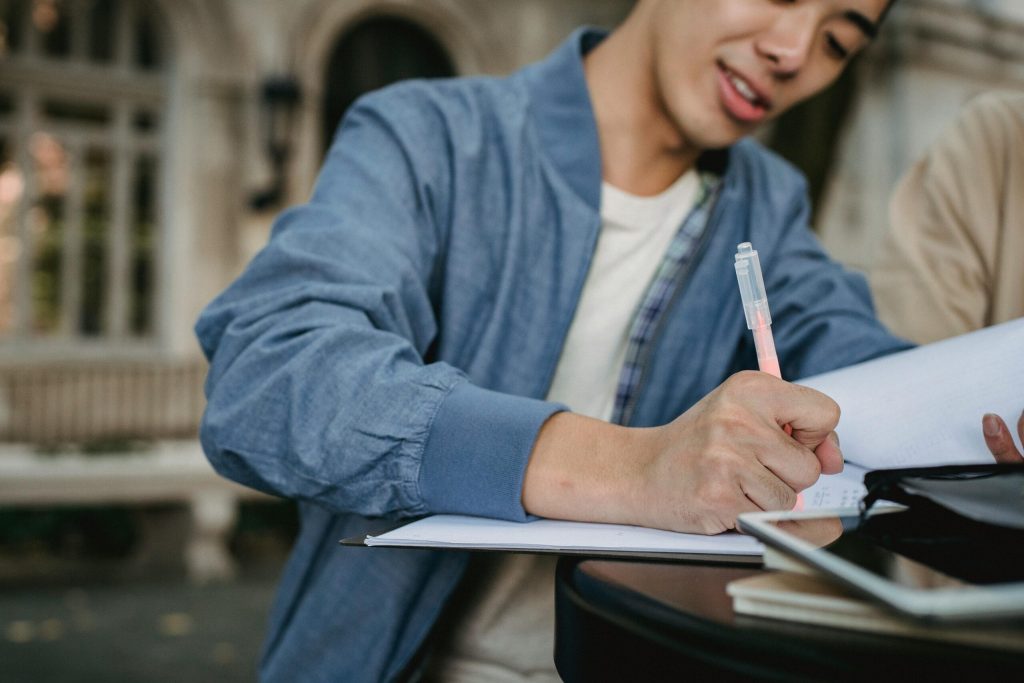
column 944, row 268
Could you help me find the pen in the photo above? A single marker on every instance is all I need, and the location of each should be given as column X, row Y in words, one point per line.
column 755, row 308
column 759, row 319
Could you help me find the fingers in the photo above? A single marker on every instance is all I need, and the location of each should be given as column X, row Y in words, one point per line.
column 766, row 490
column 811, row 414
column 795, row 466
column 726, row 519
column 829, row 456
column 998, row 439
column 808, row 415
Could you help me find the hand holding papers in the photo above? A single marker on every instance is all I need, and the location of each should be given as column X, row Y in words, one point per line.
column 923, row 406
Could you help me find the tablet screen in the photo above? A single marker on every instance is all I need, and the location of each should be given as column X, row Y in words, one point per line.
column 915, row 552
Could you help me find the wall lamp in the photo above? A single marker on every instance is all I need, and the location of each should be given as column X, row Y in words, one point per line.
column 279, row 101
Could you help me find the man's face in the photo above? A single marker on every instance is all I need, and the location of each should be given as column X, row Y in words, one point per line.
column 724, row 66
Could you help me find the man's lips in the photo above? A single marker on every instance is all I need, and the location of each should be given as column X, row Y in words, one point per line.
column 742, row 99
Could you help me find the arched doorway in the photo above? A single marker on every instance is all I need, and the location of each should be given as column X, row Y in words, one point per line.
column 372, row 54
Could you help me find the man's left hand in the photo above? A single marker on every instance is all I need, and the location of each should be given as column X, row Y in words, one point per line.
column 1000, row 441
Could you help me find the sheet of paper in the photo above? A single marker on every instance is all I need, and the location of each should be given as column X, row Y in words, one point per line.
column 843, row 490
column 923, row 407
column 456, row 531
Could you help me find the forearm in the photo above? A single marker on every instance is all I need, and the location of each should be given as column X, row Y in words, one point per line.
column 303, row 417
column 726, row 455
column 586, row 470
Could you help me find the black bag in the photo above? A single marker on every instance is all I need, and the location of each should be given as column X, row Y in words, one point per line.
column 967, row 521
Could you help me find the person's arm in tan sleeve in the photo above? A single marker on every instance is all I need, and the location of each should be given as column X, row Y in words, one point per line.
column 932, row 278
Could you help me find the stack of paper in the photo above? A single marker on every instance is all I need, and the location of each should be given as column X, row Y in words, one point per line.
column 814, row 600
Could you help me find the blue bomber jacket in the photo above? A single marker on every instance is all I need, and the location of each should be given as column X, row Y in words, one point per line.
column 388, row 353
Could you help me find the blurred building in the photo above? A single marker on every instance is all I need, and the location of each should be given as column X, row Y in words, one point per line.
column 932, row 56
column 145, row 146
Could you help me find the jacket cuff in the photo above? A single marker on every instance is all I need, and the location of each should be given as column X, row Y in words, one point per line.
column 476, row 454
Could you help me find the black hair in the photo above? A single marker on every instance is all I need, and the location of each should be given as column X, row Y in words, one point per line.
column 888, row 6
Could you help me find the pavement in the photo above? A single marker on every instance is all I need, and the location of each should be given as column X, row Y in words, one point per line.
column 140, row 631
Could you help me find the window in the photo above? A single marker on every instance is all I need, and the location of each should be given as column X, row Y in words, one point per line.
column 82, row 97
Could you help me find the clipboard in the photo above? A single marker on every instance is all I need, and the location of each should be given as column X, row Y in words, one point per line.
column 549, row 536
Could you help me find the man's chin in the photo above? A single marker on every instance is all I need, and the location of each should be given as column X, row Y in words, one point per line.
column 721, row 140
column 719, row 133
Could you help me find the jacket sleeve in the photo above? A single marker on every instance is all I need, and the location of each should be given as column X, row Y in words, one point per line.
column 822, row 314
column 318, row 389
column 952, row 255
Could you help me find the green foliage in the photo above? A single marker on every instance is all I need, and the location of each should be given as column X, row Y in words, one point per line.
column 68, row 532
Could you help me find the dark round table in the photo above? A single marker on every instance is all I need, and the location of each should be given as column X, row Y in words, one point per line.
column 658, row 621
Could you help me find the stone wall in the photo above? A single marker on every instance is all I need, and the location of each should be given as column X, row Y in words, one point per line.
column 932, row 57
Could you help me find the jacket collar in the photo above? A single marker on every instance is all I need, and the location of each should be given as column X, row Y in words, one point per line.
column 564, row 117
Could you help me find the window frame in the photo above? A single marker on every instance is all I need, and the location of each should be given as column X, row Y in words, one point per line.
column 31, row 78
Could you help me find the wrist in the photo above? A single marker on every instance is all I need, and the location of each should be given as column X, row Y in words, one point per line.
column 584, row 469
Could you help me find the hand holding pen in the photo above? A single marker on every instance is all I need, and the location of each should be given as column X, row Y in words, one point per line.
column 724, row 456
column 759, row 318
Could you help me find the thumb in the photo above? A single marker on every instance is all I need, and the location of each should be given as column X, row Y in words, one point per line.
column 998, row 439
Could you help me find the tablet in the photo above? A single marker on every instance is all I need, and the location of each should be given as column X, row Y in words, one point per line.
column 942, row 576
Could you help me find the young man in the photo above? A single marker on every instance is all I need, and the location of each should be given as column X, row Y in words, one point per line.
column 480, row 254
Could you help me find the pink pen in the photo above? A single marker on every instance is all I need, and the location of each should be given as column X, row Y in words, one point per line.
column 755, row 308
column 759, row 318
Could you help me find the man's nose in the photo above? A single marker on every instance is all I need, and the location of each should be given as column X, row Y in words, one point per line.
column 786, row 44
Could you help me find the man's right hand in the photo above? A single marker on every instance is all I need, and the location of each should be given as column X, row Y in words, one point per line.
column 727, row 454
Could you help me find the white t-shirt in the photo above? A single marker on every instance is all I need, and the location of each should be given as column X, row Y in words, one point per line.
column 635, row 233
column 501, row 622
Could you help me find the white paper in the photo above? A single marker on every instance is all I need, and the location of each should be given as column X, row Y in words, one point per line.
column 457, row 531
column 924, row 406
column 843, row 490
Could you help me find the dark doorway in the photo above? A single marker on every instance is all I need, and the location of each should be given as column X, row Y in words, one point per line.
column 374, row 53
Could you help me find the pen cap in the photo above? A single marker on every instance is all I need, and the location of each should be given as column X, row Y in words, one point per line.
column 748, row 275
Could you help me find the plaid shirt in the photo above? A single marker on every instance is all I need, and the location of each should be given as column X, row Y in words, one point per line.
column 666, row 282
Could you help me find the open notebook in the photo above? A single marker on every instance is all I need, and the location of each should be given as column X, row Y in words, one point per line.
column 916, row 408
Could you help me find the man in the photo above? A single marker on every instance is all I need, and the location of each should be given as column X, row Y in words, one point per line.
column 479, row 254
